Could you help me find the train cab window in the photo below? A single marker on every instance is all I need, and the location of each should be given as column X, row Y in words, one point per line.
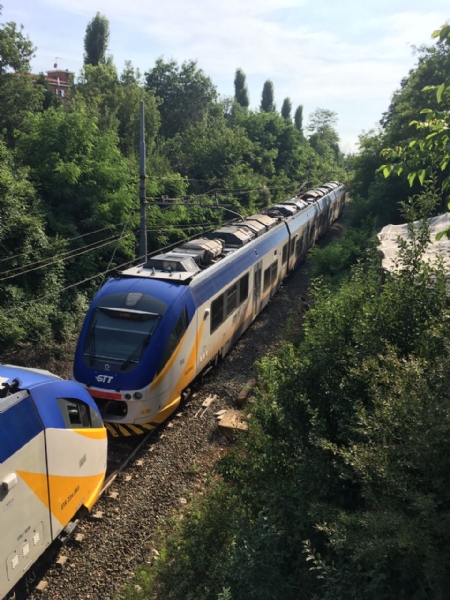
column 231, row 295
column 217, row 312
column 285, row 252
column 77, row 414
column 243, row 288
column 175, row 337
column 267, row 279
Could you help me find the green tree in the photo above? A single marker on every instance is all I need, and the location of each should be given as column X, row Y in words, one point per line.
column 96, row 40
column 186, row 94
column 267, row 97
column 25, row 245
column 433, row 66
column 83, row 179
column 16, row 50
column 18, row 92
column 321, row 121
column 426, row 157
column 214, row 153
column 338, row 485
column 50, row 98
column 22, row 224
column 114, row 101
column 298, row 118
column 324, row 139
column 240, row 89
column 286, row 109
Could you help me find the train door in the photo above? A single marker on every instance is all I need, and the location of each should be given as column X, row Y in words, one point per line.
column 24, row 514
column 257, row 289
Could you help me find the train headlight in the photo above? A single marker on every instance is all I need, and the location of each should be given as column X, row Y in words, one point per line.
column 137, row 395
column 127, row 396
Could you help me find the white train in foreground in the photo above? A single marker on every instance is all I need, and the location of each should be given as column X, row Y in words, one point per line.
column 151, row 331
column 52, row 464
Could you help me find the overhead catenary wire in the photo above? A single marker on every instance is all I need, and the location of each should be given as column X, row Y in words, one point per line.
column 65, row 240
column 75, row 254
column 62, row 255
column 118, row 241
column 182, row 227
column 171, row 200
column 68, row 287
column 68, row 255
column 235, row 192
column 87, row 279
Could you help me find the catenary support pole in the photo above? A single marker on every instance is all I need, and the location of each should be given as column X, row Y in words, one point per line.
column 142, row 192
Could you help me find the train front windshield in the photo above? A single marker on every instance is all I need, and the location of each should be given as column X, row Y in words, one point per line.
column 118, row 335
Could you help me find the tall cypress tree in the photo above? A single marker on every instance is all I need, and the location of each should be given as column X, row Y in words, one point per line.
column 267, row 98
column 298, row 118
column 96, row 40
column 240, row 89
column 286, row 109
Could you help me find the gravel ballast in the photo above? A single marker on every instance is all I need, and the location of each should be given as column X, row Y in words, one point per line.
column 172, row 466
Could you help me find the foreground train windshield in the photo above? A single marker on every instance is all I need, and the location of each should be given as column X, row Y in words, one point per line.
column 118, row 335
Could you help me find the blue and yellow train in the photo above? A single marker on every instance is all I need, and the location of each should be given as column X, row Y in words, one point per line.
column 151, row 331
column 53, row 448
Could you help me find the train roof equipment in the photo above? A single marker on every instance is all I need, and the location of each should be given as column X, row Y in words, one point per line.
column 283, row 210
column 183, row 263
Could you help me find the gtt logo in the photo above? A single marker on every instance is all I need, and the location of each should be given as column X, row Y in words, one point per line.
column 104, row 378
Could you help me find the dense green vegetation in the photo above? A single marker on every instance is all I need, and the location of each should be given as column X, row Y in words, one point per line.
column 70, row 178
column 339, row 490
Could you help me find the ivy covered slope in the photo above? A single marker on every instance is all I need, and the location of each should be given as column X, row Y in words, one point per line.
column 70, row 172
column 339, row 490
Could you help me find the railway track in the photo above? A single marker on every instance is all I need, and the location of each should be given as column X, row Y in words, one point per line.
column 159, row 475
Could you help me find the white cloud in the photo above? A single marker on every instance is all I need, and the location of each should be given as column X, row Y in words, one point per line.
column 348, row 56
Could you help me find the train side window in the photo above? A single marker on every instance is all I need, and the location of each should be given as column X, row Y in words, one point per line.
column 243, row 288
column 299, row 247
column 284, row 258
column 267, row 279
column 217, row 315
column 273, row 272
column 293, row 245
column 76, row 413
column 231, row 295
column 175, row 337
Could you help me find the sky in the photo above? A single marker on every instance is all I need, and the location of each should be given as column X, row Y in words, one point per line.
column 348, row 56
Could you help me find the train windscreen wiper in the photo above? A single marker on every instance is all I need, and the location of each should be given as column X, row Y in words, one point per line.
column 139, row 350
